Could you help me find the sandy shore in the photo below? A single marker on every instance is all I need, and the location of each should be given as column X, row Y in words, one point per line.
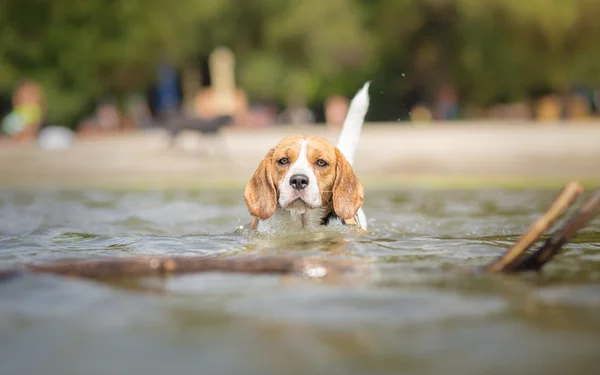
column 446, row 154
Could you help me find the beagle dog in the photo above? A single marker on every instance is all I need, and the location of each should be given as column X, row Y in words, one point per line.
column 306, row 184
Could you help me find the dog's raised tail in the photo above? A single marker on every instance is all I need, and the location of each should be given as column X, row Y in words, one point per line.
column 352, row 127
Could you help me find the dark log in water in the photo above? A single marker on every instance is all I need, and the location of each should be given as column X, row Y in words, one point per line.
column 162, row 266
column 514, row 259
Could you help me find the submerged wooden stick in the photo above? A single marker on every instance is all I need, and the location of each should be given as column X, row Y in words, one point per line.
column 515, row 254
column 160, row 266
column 586, row 212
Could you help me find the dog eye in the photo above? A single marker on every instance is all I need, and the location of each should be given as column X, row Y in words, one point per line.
column 321, row 163
column 283, row 161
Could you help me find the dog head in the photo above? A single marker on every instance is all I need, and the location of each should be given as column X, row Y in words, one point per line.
column 301, row 174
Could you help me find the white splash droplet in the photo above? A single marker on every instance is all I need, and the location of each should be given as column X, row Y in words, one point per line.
column 315, row 271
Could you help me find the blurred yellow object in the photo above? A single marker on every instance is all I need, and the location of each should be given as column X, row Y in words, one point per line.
column 421, row 113
column 549, row 109
column 21, row 118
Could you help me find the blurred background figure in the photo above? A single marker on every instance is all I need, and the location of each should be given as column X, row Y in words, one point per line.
column 223, row 98
column 510, row 111
column 579, row 104
column 138, row 114
column 336, row 108
column 27, row 115
column 167, row 91
column 56, row 138
column 446, row 107
column 262, row 115
column 296, row 113
column 107, row 120
column 549, row 108
column 421, row 114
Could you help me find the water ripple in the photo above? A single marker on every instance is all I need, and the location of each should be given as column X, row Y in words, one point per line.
column 410, row 313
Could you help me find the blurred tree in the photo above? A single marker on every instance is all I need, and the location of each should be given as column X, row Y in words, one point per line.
column 292, row 48
column 81, row 50
column 489, row 50
column 305, row 49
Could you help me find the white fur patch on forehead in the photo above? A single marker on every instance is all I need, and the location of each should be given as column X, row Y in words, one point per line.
column 303, row 147
column 302, row 160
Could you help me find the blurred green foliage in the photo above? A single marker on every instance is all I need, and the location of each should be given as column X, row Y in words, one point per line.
column 488, row 49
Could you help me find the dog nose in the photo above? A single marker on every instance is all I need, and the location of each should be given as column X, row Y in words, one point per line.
column 299, row 181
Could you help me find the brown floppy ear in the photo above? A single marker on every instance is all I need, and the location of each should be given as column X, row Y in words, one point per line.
column 260, row 194
column 348, row 193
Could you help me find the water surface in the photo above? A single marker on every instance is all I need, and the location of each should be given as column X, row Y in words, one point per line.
column 411, row 313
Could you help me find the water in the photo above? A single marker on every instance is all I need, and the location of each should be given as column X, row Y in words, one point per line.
column 411, row 313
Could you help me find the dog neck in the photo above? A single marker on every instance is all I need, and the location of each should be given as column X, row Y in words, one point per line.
column 291, row 221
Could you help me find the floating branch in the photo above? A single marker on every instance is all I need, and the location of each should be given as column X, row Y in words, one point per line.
column 154, row 266
column 515, row 254
column 588, row 211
